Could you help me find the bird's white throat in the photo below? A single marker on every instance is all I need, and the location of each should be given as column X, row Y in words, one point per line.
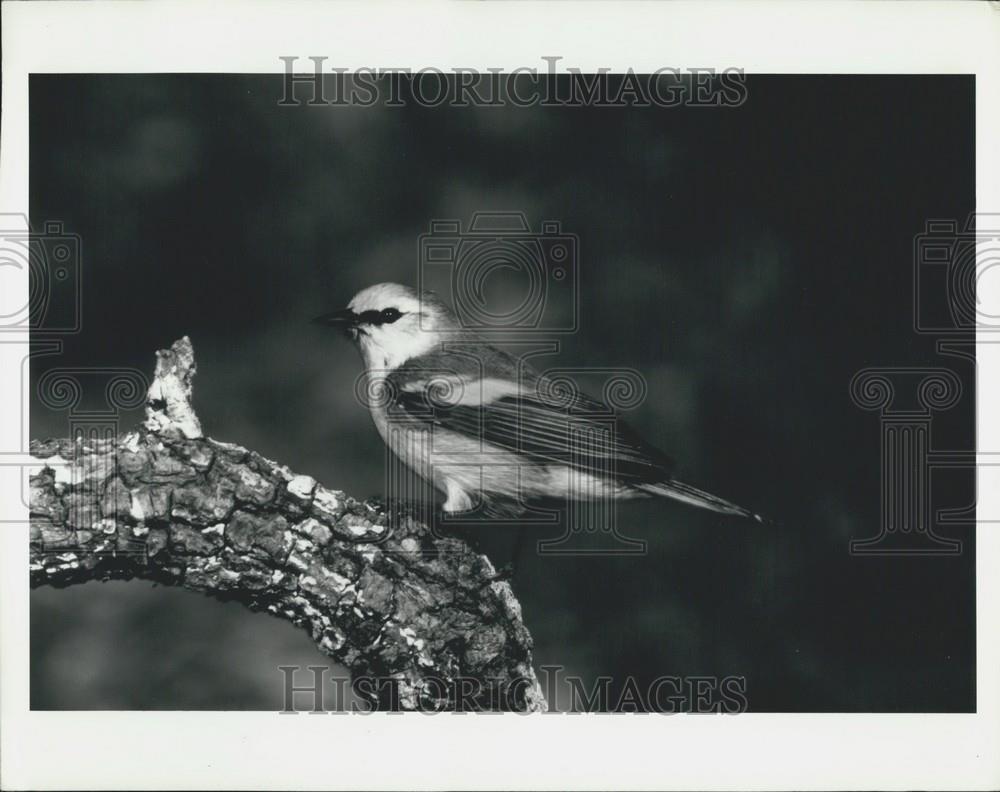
column 386, row 351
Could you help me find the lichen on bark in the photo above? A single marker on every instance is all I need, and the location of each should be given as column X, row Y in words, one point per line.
column 380, row 592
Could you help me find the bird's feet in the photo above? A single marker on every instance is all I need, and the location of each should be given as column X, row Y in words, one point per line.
column 503, row 575
column 419, row 510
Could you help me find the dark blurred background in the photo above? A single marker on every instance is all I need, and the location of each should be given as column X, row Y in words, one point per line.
column 747, row 260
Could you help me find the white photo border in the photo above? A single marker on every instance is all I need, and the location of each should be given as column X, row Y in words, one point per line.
column 199, row 750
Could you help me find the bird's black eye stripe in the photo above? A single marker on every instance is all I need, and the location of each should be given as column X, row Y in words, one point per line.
column 386, row 316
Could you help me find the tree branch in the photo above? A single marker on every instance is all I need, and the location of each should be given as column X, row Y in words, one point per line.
column 379, row 592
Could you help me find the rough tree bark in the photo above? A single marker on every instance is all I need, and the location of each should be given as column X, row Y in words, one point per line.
column 386, row 598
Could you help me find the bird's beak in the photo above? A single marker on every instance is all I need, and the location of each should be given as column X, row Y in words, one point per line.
column 342, row 320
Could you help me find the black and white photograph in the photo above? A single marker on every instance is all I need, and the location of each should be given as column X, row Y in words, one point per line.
column 457, row 401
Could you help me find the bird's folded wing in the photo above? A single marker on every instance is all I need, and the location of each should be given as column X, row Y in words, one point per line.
column 569, row 429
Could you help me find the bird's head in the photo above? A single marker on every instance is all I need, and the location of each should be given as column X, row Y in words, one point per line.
column 391, row 323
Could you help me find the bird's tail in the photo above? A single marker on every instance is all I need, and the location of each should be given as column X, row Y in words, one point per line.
column 678, row 490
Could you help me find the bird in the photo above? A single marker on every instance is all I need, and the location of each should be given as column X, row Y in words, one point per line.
column 501, row 435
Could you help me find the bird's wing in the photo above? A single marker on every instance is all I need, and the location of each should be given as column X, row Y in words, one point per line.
column 546, row 425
